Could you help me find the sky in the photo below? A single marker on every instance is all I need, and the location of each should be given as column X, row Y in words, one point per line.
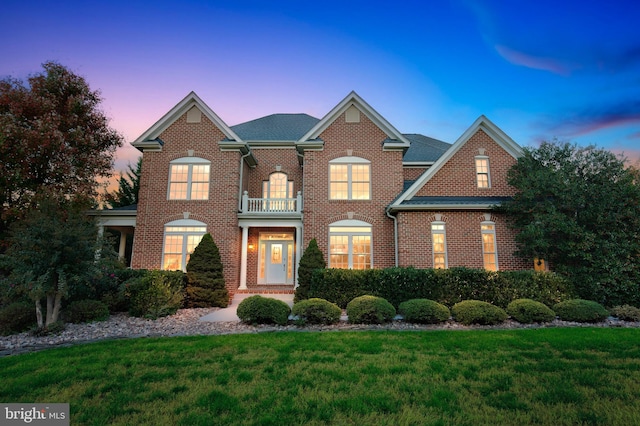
column 540, row 70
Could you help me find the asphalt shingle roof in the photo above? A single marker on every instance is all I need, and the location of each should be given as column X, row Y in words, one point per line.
column 424, row 148
column 276, row 127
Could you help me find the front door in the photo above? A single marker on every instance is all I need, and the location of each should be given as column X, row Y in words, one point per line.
column 276, row 261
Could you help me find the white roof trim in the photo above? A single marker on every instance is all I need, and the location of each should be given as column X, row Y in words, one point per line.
column 481, row 123
column 182, row 107
column 354, row 99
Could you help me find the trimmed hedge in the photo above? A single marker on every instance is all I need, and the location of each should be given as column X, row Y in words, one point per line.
column 626, row 313
column 470, row 312
column 527, row 311
column 86, row 311
column 317, row 311
column 17, row 317
column 369, row 309
column 580, row 310
column 447, row 286
column 263, row 310
column 424, row 311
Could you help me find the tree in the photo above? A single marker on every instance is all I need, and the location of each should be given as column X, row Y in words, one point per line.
column 205, row 279
column 128, row 188
column 311, row 259
column 52, row 249
column 579, row 209
column 54, row 139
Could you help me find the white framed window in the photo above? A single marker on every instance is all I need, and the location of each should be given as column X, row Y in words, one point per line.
column 483, row 178
column 439, row 245
column 278, row 190
column 189, row 179
column 489, row 247
column 350, row 245
column 181, row 237
column 349, row 179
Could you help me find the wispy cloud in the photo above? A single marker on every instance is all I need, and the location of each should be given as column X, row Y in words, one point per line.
column 530, row 61
column 584, row 121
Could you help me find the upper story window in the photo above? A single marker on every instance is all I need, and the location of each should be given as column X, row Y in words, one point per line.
column 181, row 237
column 489, row 248
column 349, row 179
column 189, row 179
column 482, row 172
column 277, row 186
column 350, row 245
column 439, row 238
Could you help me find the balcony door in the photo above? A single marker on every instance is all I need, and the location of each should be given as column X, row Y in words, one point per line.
column 276, row 259
column 278, row 192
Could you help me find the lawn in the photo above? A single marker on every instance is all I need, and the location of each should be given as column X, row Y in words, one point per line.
column 563, row 376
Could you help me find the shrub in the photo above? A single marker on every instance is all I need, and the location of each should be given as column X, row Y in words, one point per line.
column 317, row 311
column 156, row 294
column 17, row 317
column 339, row 286
column 370, row 310
column 311, row 260
column 263, row 310
column 478, row 312
column 205, row 280
column 48, row 330
column 580, row 310
column 424, row 311
column 527, row 311
column 626, row 313
column 86, row 311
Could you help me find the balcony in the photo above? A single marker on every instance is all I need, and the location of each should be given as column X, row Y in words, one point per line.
column 271, row 207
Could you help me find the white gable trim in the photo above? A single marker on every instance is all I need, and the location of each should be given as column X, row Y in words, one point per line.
column 353, row 99
column 481, row 123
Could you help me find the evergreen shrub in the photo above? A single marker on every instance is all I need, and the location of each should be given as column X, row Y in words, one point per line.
column 86, row 311
column 205, row 279
column 626, row 313
column 263, row 310
column 527, row 311
column 369, row 309
column 580, row 310
column 155, row 294
column 317, row 311
column 17, row 317
column 311, row 260
column 424, row 311
column 470, row 312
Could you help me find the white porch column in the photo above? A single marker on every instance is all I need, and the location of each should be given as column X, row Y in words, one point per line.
column 123, row 245
column 243, row 258
column 298, row 251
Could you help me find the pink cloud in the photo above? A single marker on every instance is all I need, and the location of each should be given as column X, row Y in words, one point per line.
column 530, row 61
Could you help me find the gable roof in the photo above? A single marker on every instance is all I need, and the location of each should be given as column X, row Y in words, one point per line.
column 398, row 139
column 481, row 123
column 424, row 149
column 177, row 111
column 276, row 127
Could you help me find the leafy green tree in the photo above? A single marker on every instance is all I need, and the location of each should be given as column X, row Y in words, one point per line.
column 54, row 138
column 128, row 188
column 311, row 259
column 205, row 279
column 579, row 208
column 52, row 250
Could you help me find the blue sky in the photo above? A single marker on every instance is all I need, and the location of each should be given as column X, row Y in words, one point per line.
column 539, row 70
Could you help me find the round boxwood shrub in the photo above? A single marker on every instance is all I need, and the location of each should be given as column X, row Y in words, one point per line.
column 317, row 311
column 527, row 311
column 424, row 311
column 580, row 310
column 626, row 313
column 263, row 310
column 86, row 311
column 370, row 310
column 478, row 312
column 17, row 317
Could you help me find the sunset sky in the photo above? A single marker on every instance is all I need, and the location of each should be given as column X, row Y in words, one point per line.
column 538, row 69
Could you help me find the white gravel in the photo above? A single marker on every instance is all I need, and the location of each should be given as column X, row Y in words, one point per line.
column 186, row 323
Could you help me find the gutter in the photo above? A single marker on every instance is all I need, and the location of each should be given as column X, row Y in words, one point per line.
column 241, row 179
column 395, row 234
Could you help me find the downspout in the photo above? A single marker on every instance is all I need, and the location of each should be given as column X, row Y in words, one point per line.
column 241, row 179
column 395, row 233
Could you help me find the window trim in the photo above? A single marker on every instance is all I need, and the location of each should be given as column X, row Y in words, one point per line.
column 190, row 162
column 182, row 223
column 442, row 232
column 350, row 161
column 266, row 187
column 491, row 232
column 487, row 173
column 350, row 224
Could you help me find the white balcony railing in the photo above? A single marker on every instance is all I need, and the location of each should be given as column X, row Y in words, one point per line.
column 271, row 205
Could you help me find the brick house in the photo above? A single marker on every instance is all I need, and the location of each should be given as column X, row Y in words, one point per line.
column 371, row 196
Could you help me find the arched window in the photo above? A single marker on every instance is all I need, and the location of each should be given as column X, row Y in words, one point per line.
column 189, row 179
column 350, row 245
column 181, row 237
column 277, row 186
column 349, row 179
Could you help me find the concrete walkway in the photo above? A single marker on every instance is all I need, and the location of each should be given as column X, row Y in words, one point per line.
column 229, row 314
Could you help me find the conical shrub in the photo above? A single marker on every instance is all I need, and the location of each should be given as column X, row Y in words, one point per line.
column 205, row 278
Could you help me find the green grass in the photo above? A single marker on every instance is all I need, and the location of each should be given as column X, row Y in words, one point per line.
column 546, row 376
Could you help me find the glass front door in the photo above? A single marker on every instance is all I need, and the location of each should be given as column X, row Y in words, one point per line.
column 276, row 259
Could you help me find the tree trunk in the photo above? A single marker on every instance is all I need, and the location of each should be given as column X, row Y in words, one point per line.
column 53, row 307
column 39, row 313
